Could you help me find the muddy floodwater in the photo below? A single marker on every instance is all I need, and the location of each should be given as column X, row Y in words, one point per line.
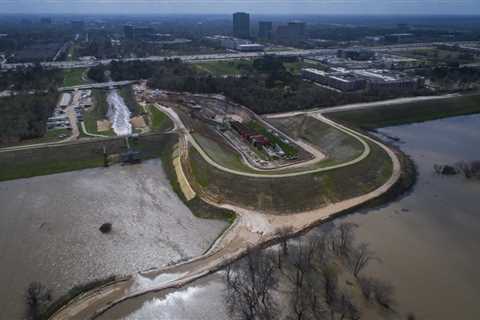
column 428, row 241
column 49, row 229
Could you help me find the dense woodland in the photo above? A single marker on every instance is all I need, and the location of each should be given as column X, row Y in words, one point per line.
column 269, row 88
column 25, row 116
column 454, row 78
column 33, row 78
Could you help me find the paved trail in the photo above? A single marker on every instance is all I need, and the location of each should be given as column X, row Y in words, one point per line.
column 251, row 228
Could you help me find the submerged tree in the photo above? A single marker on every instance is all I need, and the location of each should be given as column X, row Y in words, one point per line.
column 249, row 287
column 37, row 298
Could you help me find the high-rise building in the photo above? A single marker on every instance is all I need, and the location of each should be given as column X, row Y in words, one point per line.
column 296, row 29
column 241, row 25
column 293, row 32
column 129, row 32
column 265, row 29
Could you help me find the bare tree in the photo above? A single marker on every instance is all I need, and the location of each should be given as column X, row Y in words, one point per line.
column 330, row 288
column 249, row 287
column 341, row 239
column 346, row 308
column 283, row 233
column 359, row 258
column 383, row 294
column 377, row 290
column 300, row 260
column 37, row 299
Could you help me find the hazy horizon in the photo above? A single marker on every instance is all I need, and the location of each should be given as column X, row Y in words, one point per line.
column 260, row 7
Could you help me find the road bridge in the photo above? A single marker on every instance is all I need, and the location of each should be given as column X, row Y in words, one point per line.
column 110, row 84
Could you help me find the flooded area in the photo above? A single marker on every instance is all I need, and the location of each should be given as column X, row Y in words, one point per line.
column 427, row 240
column 119, row 114
column 49, row 229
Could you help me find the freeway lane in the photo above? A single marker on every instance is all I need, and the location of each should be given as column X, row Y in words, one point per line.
column 227, row 56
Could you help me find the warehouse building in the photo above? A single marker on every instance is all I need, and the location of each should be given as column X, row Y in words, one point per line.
column 370, row 79
column 337, row 79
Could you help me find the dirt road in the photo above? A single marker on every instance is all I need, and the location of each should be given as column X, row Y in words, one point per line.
column 251, row 228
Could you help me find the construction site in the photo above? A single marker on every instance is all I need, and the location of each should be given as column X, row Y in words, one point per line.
column 230, row 132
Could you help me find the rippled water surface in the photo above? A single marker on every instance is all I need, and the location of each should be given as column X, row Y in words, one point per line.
column 428, row 241
column 119, row 114
column 49, row 228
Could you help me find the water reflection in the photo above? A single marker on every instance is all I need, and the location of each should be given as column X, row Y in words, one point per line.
column 49, row 229
column 427, row 241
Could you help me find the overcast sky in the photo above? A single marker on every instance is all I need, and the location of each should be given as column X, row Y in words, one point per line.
column 254, row 7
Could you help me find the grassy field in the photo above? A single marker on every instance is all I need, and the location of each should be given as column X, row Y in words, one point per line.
column 336, row 145
column 199, row 208
column 72, row 156
column 73, row 77
column 158, row 121
column 225, row 68
column 292, row 194
column 221, row 153
column 391, row 115
column 99, row 112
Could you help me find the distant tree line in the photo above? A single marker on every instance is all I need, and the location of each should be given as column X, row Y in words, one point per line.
column 268, row 88
column 25, row 116
column 32, row 78
column 97, row 73
column 453, row 77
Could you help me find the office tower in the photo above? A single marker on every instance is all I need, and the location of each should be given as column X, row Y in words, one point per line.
column 241, row 25
column 265, row 29
column 296, row 29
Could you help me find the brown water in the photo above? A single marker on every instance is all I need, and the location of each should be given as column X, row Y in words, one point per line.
column 49, row 229
column 428, row 241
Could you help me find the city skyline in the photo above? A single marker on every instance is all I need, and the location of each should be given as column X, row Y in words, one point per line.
column 348, row 7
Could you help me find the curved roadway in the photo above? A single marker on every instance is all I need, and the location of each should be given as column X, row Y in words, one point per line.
column 179, row 124
column 251, row 228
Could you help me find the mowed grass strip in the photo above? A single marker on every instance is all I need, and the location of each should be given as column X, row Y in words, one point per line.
column 336, row 145
column 159, row 121
column 99, row 112
column 293, row 194
column 73, row 77
column 398, row 114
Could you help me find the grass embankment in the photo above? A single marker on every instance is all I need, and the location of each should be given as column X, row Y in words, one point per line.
column 221, row 153
column 50, row 136
column 398, row 114
column 225, row 68
column 197, row 206
column 73, row 77
column 53, row 307
column 128, row 96
column 292, row 194
column 72, row 156
column 335, row 144
column 158, row 121
column 99, row 112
